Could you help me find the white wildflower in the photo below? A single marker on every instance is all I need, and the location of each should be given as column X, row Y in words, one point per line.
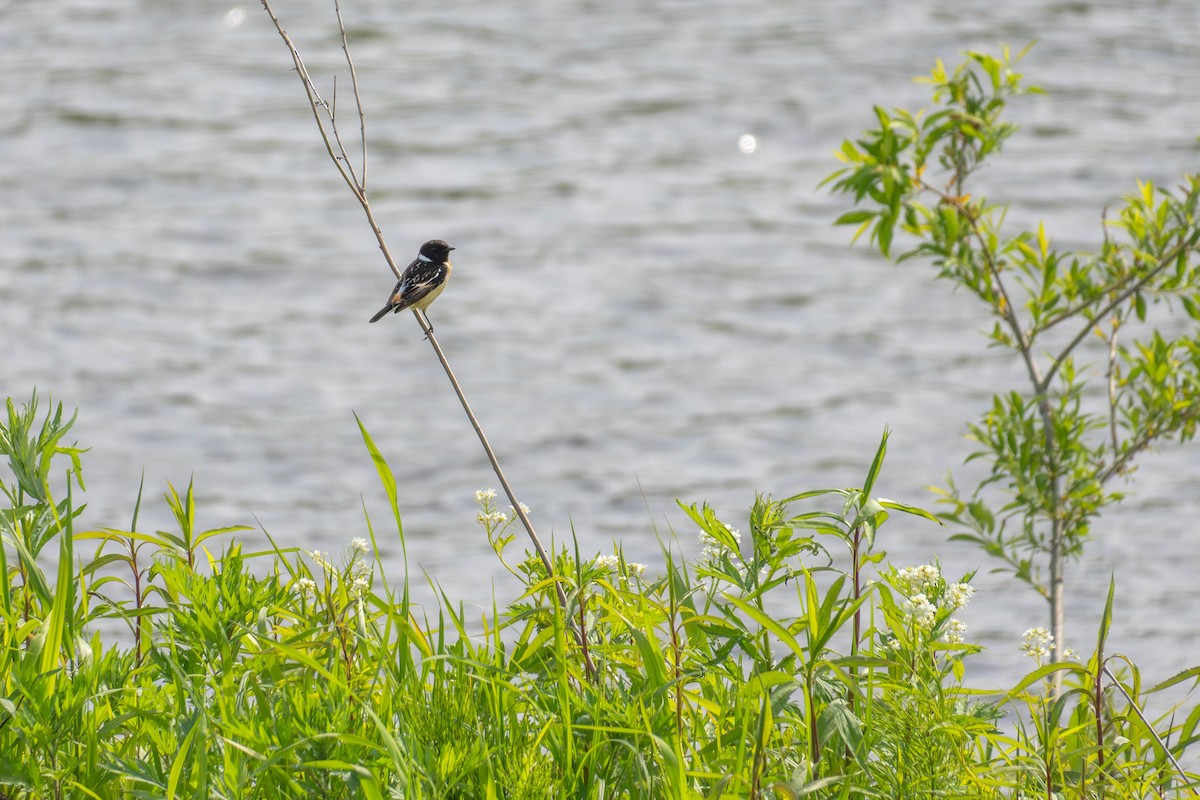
column 485, row 495
column 960, row 594
column 306, row 586
column 358, row 545
column 524, row 508
column 608, row 563
column 955, row 628
column 321, row 559
column 491, row 519
column 921, row 579
column 635, row 568
column 360, row 587
column 1037, row 643
column 923, row 612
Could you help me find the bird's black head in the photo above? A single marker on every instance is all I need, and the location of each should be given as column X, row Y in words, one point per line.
column 436, row 250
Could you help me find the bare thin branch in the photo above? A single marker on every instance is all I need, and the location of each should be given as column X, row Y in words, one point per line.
column 337, row 136
column 423, row 321
column 357, row 185
column 316, row 104
column 342, row 163
column 362, row 117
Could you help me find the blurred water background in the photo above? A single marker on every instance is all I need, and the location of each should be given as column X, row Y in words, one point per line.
column 640, row 310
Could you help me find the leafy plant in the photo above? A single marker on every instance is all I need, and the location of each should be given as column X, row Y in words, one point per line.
column 1102, row 385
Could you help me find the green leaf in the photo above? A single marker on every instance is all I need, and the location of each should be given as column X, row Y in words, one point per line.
column 876, row 464
column 811, row 493
column 1190, row 674
column 57, row 632
column 855, row 217
column 386, row 478
column 1039, row 674
column 908, row 509
column 885, row 229
column 768, row 622
column 182, row 756
column 1106, row 617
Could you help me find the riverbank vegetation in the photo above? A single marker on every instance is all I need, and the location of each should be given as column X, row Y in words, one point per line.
column 786, row 659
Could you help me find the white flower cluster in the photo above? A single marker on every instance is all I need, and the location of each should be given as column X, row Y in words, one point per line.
column 613, row 563
column 927, row 594
column 713, row 548
column 359, row 576
column 1037, row 643
column 491, row 518
column 609, row 563
column 356, row 576
column 921, row 579
column 923, row 612
column 959, row 594
column 322, row 560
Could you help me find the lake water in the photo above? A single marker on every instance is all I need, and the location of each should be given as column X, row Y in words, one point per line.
column 639, row 312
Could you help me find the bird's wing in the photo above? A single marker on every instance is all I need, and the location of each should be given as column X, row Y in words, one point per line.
column 418, row 280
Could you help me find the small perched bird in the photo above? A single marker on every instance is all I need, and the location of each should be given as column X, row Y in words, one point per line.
column 422, row 280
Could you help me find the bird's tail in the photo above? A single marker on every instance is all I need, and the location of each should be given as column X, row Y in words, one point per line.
column 382, row 312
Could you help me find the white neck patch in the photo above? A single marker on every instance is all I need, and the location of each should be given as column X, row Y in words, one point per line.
column 425, row 258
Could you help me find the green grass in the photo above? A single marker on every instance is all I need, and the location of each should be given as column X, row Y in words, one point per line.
column 296, row 674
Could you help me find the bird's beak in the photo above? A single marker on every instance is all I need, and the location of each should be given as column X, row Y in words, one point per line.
column 453, row 248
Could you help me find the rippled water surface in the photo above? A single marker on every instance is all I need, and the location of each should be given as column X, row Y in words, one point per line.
column 639, row 312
